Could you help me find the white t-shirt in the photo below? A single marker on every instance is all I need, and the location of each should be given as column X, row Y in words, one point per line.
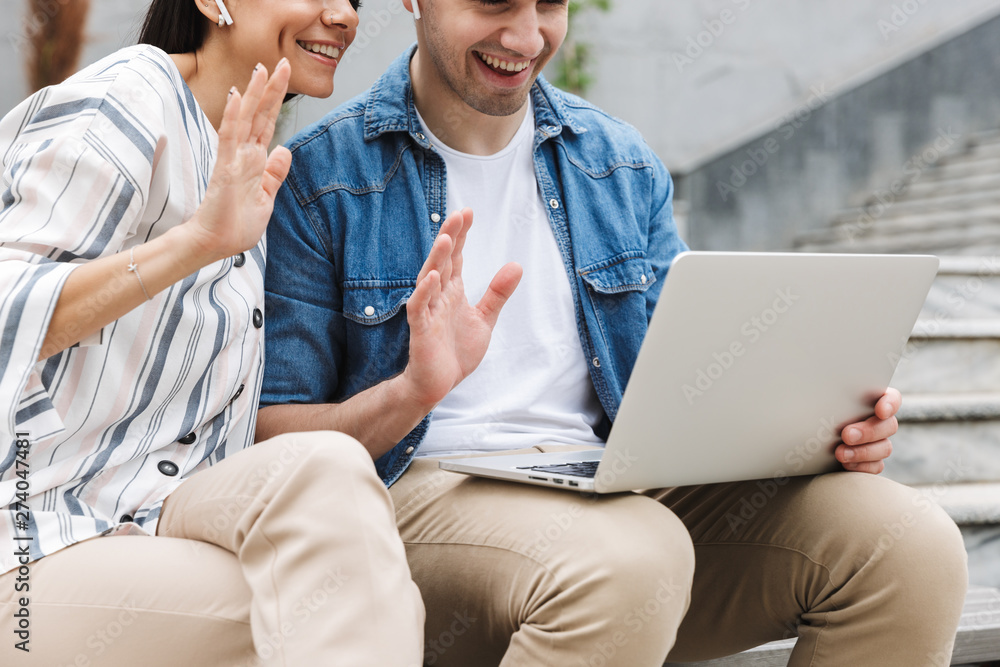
column 533, row 385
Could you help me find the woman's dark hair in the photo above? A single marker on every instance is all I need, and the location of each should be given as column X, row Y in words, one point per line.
column 176, row 26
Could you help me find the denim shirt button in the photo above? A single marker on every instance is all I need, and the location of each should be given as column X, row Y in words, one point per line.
column 435, row 218
column 642, row 279
column 597, row 362
column 554, row 203
column 409, row 450
column 421, row 137
column 369, row 310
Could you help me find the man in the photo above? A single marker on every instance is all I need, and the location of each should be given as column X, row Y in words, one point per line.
column 371, row 332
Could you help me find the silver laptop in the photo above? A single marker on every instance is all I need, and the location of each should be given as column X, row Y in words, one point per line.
column 752, row 365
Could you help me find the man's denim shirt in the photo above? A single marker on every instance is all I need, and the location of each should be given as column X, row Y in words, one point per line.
column 364, row 201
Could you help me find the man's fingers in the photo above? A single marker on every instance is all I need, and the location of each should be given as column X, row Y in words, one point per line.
column 876, row 451
column 889, row 404
column 426, row 290
column 501, row 287
column 460, row 236
column 873, row 468
column 438, row 257
column 270, row 104
column 870, row 430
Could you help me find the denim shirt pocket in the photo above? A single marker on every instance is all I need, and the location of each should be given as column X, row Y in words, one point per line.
column 627, row 272
column 376, row 330
column 373, row 302
column 617, row 288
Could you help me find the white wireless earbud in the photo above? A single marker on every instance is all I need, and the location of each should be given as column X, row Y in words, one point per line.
column 416, row 10
column 224, row 16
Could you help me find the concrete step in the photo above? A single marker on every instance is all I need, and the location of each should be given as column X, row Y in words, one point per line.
column 946, row 184
column 859, row 228
column 949, row 170
column 965, row 288
column 975, row 508
column 983, row 148
column 947, row 438
column 875, row 211
column 956, row 239
column 977, row 639
column 944, row 355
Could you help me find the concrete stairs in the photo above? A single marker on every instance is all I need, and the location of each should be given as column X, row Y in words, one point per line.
column 948, row 207
column 948, row 445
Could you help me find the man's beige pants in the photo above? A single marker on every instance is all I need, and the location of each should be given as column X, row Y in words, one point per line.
column 863, row 570
column 284, row 554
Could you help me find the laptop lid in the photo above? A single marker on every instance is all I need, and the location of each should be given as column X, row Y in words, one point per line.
column 754, row 362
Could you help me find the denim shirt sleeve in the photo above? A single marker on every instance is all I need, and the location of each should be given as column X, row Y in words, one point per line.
column 303, row 344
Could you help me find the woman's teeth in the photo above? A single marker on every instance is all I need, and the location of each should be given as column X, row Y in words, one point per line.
column 322, row 49
column 504, row 65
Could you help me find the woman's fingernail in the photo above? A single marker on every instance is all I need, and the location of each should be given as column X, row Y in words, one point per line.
column 281, row 62
column 232, row 91
column 853, row 435
column 848, row 454
column 257, row 67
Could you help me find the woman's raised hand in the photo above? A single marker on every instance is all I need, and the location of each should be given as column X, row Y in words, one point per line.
column 240, row 196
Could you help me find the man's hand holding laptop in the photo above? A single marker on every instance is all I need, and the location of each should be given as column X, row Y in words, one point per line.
column 866, row 444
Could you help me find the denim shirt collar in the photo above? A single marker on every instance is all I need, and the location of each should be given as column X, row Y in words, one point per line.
column 390, row 106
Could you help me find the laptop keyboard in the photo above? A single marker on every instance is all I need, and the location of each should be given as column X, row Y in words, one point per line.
column 579, row 469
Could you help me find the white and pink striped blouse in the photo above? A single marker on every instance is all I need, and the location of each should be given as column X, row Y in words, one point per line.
column 93, row 439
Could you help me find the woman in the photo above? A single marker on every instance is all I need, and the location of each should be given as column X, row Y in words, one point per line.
column 135, row 197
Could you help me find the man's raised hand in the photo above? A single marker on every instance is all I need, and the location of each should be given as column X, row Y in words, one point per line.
column 448, row 335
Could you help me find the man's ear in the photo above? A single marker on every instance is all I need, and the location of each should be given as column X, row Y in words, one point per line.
column 413, row 6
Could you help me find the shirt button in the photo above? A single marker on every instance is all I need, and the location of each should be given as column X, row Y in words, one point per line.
column 369, row 310
column 258, row 318
column 642, row 279
column 168, row 468
column 596, row 362
column 421, row 137
column 435, row 218
column 188, row 439
column 125, row 518
column 409, row 450
column 240, row 260
column 554, row 203
column 238, row 393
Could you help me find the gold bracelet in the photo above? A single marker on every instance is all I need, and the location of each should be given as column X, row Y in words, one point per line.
column 134, row 268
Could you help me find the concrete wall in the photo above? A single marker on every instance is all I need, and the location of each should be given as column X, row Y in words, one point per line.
column 840, row 151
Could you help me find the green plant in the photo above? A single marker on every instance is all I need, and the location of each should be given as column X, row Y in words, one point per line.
column 573, row 73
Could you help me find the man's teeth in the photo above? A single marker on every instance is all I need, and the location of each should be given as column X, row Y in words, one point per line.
column 324, row 49
column 496, row 63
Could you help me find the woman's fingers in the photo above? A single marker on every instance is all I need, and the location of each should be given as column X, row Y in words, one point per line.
column 228, row 142
column 270, row 104
column 251, row 101
column 275, row 171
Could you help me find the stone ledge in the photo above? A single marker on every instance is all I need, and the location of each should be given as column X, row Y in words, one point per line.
column 977, row 640
column 952, row 328
column 956, row 265
column 969, row 503
column 949, row 407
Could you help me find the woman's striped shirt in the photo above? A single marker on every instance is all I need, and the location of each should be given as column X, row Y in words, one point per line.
column 93, row 439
